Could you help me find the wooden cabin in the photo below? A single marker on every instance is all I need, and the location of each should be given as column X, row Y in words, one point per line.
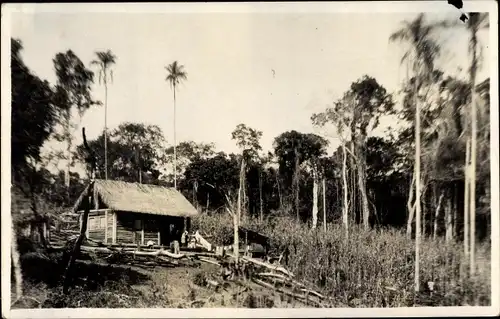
column 132, row 213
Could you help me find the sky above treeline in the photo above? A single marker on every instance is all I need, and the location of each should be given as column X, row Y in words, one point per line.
column 270, row 71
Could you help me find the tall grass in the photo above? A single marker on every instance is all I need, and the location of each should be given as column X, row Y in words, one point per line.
column 370, row 268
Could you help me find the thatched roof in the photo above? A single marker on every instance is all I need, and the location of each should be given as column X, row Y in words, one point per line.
column 141, row 198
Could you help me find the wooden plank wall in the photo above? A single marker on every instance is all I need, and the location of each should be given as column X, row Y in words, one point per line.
column 97, row 234
column 109, row 226
column 125, row 233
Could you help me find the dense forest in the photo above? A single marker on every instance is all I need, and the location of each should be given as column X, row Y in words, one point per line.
column 435, row 166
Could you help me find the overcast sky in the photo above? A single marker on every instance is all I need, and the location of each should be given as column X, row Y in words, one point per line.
column 229, row 58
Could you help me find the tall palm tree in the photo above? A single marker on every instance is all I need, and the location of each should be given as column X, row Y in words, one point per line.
column 476, row 22
column 175, row 75
column 421, row 55
column 105, row 59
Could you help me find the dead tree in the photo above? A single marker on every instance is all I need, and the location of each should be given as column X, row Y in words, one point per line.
column 91, row 160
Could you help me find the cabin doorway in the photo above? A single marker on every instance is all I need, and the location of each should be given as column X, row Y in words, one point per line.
column 138, row 232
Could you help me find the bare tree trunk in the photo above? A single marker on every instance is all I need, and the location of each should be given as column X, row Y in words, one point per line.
column 69, row 140
column 324, row 201
column 466, row 198
column 16, row 263
column 345, row 212
column 362, row 188
column 315, row 199
column 175, row 141
column 436, row 218
column 449, row 221
column 237, row 216
column 417, row 191
column 280, row 196
column 473, row 155
column 455, row 210
column 297, row 186
column 105, row 127
column 353, row 172
column 411, row 208
column 260, row 196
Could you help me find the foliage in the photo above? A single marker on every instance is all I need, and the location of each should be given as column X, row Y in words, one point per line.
column 293, row 146
column 248, row 140
column 74, row 82
column 34, row 115
column 187, row 152
column 176, row 74
column 133, row 149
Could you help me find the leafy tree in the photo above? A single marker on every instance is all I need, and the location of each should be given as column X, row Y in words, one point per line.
column 248, row 140
column 175, row 75
column 34, row 114
column 292, row 149
column 187, row 152
column 135, row 153
column 217, row 177
column 73, row 92
column 105, row 59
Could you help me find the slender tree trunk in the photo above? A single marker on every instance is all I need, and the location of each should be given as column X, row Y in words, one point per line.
column 324, row 200
column 261, row 206
column 69, row 142
column 466, row 199
column 411, row 208
column 455, row 210
column 16, row 263
column 280, row 196
column 208, row 201
column 315, row 199
column 353, row 206
column 241, row 190
column 417, row 190
column 473, row 155
column 423, row 210
column 237, row 217
column 449, row 221
column 362, row 187
column 105, row 126
column 345, row 212
column 297, row 187
column 436, row 218
column 175, row 143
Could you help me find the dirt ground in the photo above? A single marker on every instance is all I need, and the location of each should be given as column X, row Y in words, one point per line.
column 185, row 287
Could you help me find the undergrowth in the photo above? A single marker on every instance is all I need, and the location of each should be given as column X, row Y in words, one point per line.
column 372, row 268
column 366, row 269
